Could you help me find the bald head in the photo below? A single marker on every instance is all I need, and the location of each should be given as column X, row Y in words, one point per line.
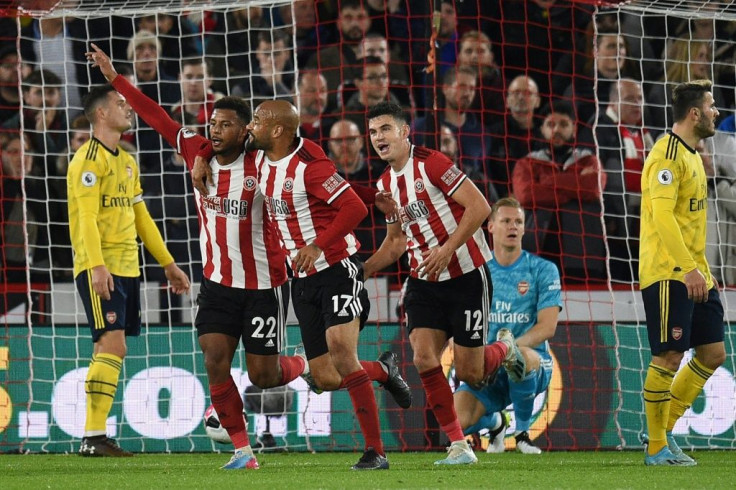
column 522, row 95
column 280, row 112
column 273, row 127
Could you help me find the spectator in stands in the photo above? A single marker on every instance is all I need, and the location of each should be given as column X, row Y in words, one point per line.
column 339, row 63
column 448, row 144
column 374, row 44
column 275, row 75
column 515, row 135
column 372, row 85
column 176, row 36
column 144, row 50
column 24, row 217
column 197, row 98
column 610, row 57
column 623, row 144
column 229, row 46
column 560, row 186
column 449, row 147
column 447, row 37
column 346, row 149
column 686, row 60
column 79, row 133
column 57, row 44
column 9, row 93
column 475, row 52
column 42, row 118
column 721, row 253
column 535, row 36
column 309, row 34
column 459, row 90
column 387, row 18
column 311, row 102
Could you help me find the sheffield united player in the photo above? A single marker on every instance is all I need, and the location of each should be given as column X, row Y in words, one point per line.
column 448, row 292
column 244, row 291
column 315, row 211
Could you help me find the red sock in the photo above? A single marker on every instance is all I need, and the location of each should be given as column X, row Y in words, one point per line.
column 291, row 368
column 229, row 407
column 364, row 402
column 374, row 370
column 439, row 397
column 493, row 357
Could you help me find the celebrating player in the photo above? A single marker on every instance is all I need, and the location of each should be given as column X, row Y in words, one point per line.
column 526, row 300
column 681, row 301
column 315, row 211
column 244, row 291
column 106, row 216
column 447, row 293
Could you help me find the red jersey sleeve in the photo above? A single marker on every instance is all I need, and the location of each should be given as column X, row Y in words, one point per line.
column 322, row 180
column 441, row 171
column 186, row 142
column 189, row 144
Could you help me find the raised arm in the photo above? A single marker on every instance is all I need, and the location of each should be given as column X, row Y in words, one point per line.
column 148, row 110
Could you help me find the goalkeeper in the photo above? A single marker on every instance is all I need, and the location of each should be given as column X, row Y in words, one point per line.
column 527, row 301
column 106, row 216
column 244, row 290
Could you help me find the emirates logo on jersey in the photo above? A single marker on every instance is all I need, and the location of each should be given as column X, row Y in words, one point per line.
column 677, row 333
column 522, row 287
column 288, row 184
column 129, row 171
column 250, row 183
column 419, row 185
column 111, row 316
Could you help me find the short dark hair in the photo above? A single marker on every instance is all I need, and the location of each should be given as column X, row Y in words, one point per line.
column 353, row 4
column 451, row 74
column 79, row 123
column 96, row 97
column 388, row 109
column 273, row 36
column 559, row 106
column 41, row 78
column 237, row 104
column 687, row 95
column 195, row 62
column 370, row 60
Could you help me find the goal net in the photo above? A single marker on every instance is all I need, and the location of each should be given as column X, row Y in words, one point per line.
column 479, row 88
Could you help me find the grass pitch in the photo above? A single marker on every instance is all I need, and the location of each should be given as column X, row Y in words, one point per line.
column 586, row 470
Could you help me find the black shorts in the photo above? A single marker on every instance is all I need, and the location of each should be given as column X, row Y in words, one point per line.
column 121, row 312
column 458, row 306
column 676, row 323
column 333, row 296
column 258, row 316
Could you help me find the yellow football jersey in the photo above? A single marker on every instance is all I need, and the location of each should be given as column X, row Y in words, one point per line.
column 103, row 185
column 673, row 171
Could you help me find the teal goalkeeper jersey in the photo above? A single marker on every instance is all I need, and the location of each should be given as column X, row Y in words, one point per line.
column 520, row 290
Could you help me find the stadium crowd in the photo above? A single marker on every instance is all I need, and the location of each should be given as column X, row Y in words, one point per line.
column 541, row 100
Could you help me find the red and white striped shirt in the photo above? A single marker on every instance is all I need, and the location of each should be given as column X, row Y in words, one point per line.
column 299, row 189
column 240, row 247
column 427, row 213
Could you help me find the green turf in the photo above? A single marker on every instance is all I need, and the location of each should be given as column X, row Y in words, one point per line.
column 332, row 470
